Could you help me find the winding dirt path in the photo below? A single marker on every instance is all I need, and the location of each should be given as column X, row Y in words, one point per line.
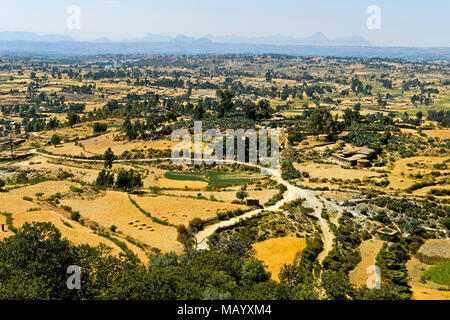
column 292, row 193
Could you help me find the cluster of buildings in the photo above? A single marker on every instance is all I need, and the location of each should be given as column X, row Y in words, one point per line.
column 354, row 157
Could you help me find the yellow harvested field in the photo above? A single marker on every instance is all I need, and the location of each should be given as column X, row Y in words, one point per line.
column 98, row 145
column 420, row 293
column 277, row 252
column 47, row 188
column 154, row 175
column 180, row 210
column 421, row 165
column 5, row 233
column 43, row 164
column 14, row 204
column 181, row 184
column 228, row 196
column 442, row 134
column 369, row 250
column 334, row 171
column 116, row 209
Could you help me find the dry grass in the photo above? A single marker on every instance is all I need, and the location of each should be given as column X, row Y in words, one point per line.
column 181, row 184
column 180, row 210
column 422, row 165
column 277, row 252
column 435, row 248
column 369, row 251
column 228, row 196
column 442, row 134
column 334, row 171
column 7, row 233
column 48, row 166
column 116, row 209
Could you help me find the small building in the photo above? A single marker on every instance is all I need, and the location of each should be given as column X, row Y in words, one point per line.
column 355, row 157
column 253, row 203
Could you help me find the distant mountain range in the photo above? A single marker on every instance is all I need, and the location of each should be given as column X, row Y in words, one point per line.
column 31, row 36
column 315, row 45
column 317, row 39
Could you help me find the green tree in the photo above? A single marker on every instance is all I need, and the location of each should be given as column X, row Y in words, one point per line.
column 55, row 140
column 225, row 101
column 241, row 194
column 73, row 118
column 109, row 158
column 337, row 285
column 128, row 180
column 105, row 179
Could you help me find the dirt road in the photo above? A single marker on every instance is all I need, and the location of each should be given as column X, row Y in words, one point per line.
column 292, row 193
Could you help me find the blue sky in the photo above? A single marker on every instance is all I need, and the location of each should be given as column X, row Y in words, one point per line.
column 403, row 22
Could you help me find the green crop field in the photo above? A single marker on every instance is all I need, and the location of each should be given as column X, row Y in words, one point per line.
column 186, row 176
column 215, row 178
column 439, row 273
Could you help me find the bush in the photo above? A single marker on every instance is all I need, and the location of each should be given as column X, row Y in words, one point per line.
column 128, row 180
column 75, row 215
column 241, row 195
column 196, row 224
column 100, row 127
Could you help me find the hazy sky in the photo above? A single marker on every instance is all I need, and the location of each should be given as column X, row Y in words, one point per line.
column 403, row 22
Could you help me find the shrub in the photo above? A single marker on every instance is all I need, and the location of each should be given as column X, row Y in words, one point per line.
column 75, row 215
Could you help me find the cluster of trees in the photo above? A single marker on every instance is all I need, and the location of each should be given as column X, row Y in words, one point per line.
column 100, row 127
column 39, row 272
column 391, row 259
column 84, row 89
column 441, row 116
column 421, row 99
column 125, row 180
column 322, row 122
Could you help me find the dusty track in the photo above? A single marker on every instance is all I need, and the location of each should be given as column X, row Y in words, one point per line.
column 292, row 193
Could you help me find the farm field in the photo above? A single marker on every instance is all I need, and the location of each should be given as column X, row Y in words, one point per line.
column 369, row 250
column 423, row 263
column 116, row 209
column 277, row 252
column 178, row 210
column 212, row 178
column 335, row 171
column 86, row 146
column 400, row 176
column 227, row 196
